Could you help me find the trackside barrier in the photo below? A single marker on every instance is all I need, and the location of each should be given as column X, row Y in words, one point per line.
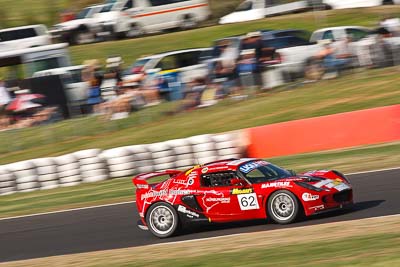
column 364, row 127
column 93, row 165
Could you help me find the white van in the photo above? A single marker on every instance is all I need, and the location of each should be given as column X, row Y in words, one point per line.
column 24, row 37
column 132, row 18
column 258, row 9
column 342, row 4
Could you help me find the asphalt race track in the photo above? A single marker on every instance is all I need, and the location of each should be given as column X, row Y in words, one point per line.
column 376, row 194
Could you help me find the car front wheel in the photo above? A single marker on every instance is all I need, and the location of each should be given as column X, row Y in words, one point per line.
column 283, row 207
column 162, row 220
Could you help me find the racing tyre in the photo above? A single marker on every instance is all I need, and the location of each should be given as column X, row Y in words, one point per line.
column 162, row 220
column 283, row 207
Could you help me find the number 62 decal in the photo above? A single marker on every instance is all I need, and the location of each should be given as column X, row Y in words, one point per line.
column 248, row 201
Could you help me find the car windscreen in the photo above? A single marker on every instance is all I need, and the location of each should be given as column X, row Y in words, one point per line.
column 260, row 171
column 12, row 35
column 245, row 6
column 108, row 7
column 83, row 13
column 284, row 42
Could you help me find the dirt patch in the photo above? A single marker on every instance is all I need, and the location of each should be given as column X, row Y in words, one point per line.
column 274, row 238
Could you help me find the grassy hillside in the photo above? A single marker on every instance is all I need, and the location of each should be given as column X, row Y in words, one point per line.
column 352, row 92
column 23, row 12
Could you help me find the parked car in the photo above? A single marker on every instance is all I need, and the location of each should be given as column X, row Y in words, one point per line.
column 80, row 30
column 233, row 190
column 258, row 9
column 189, row 63
column 75, row 88
column 128, row 18
column 24, row 37
column 338, row 33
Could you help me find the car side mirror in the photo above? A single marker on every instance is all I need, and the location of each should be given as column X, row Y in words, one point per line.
column 236, row 182
column 292, row 172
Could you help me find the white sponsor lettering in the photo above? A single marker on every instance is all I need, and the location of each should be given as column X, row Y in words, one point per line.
column 319, row 207
column 189, row 213
column 142, row 186
column 309, row 197
column 342, row 187
column 276, row 184
column 219, row 199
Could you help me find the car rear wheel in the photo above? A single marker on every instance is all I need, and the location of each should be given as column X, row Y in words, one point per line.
column 162, row 220
column 283, row 207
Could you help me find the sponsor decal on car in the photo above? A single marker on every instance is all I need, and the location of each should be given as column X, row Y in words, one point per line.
column 142, row 186
column 276, row 184
column 309, row 197
column 219, row 199
column 336, row 184
column 248, row 167
column 319, row 207
column 248, row 201
column 189, row 213
column 239, row 191
column 171, row 192
column 213, row 198
column 185, row 183
column 204, row 170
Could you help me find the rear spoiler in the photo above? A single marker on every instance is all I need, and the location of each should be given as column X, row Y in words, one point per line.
column 140, row 181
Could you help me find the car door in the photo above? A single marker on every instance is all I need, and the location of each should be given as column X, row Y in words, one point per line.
column 223, row 201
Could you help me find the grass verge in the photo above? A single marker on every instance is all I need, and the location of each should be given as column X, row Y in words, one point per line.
column 366, row 242
column 119, row 190
column 354, row 91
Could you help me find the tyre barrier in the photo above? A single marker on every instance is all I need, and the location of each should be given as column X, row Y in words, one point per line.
column 7, row 181
column 47, row 173
column 68, row 170
column 94, row 165
column 26, row 177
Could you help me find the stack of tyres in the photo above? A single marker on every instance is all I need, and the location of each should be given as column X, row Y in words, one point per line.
column 184, row 157
column 68, row 169
column 143, row 158
column 228, row 146
column 203, row 148
column 163, row 156
column 120, row 162
column 26, row 176
column 93, row 168
column 47, row 173
column 7, row 181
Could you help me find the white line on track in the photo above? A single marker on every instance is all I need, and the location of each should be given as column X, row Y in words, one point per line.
column 129, row 202
column 240, row 234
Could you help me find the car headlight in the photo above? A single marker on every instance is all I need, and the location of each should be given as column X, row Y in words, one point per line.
column 309, row 186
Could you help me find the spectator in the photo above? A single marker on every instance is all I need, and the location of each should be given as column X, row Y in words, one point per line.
column 94, row 76
column 225, row 70
column 330, row 60
column 246, row 69
column 253, row 41
column 4, row 95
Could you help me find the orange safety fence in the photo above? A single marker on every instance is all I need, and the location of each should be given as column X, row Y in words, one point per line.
column 363, row 127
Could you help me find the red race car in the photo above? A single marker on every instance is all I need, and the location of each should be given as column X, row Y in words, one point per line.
column 234, row 190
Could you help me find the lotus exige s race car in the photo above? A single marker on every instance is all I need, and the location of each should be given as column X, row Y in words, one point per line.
column 233, row 190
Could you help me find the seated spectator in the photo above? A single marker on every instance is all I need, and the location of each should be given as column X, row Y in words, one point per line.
column 332, row 62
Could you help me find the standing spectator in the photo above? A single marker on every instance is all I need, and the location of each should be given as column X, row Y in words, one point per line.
column 225, row 69
column 94, row 76
column 253, row 41
column 4, row 95
column 246, row 68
